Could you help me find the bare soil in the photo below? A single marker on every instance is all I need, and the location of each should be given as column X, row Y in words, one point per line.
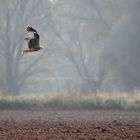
column 69, row 125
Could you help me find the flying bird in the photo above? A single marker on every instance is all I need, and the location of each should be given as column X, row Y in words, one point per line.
column 32, row 40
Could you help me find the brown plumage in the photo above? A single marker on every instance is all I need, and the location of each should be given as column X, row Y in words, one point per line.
column 33, row 41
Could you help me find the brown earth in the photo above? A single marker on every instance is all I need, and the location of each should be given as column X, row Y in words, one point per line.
column 69, row 125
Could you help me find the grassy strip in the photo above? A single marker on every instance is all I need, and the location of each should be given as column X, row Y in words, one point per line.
column 69, row 102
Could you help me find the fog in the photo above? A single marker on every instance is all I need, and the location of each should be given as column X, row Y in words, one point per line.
column 89, row 47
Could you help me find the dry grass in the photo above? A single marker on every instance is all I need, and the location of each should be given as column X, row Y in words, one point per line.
column 71, row 101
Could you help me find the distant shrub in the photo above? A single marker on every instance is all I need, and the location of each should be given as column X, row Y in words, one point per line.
column 115, row 103
column 69, row 102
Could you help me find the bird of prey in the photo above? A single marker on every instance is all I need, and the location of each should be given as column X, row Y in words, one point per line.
column 32, row 40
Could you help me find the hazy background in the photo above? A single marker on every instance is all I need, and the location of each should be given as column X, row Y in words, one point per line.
column 90, row 46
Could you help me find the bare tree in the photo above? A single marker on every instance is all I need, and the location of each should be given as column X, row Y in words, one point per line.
column 15, row 16
column 77, row 55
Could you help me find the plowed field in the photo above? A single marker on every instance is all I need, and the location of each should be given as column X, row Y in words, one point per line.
column 69, row 125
